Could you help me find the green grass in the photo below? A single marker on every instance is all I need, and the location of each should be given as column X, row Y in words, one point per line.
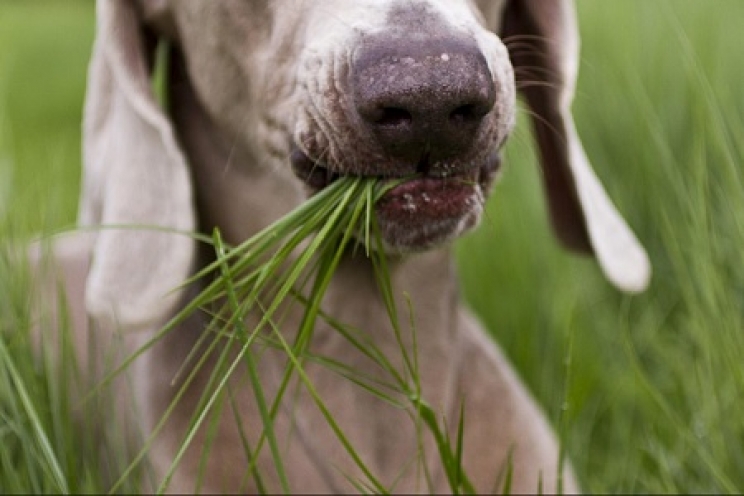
column 655, row 379
column 653, row 384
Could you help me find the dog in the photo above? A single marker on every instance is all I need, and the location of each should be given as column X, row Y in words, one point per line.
column 267, row 103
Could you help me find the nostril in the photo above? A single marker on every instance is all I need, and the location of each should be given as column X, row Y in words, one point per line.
column 468, row 113
column 393, row 117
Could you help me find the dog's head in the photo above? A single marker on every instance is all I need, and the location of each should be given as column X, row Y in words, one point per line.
column 419, row 89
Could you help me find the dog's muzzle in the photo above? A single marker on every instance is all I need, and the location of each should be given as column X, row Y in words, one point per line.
column 426, row 109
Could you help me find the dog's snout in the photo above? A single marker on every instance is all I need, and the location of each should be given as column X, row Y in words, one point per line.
column 422, row 99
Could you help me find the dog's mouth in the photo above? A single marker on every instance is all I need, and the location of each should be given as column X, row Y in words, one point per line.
column 427, row 210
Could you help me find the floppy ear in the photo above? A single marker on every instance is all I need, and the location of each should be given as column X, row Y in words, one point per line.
column 135, row 175
column 543, row 42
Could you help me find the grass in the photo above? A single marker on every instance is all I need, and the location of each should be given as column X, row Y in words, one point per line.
column 646, row 391
column 655, row 379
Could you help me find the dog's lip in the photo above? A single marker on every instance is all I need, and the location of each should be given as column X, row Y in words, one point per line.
column 424, row 210
column 429, row 199
column 313, row 173
column 316, row 175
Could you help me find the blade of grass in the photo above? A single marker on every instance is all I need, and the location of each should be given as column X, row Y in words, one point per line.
column 48, row 456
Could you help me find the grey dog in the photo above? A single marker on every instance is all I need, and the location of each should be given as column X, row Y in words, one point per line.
column 268, row 102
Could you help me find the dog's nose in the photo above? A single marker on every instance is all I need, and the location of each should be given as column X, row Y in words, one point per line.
column 422, row 101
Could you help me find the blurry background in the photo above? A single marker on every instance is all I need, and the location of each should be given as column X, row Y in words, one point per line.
column 646, row 391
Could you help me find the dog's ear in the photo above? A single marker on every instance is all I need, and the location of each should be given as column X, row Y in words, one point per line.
column 136, row 183
column 542, row 38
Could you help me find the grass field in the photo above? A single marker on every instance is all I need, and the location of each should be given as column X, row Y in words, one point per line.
column 647, row 391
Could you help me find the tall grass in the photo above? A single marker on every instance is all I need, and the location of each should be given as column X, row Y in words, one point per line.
column 648, row 389
column 655, row 379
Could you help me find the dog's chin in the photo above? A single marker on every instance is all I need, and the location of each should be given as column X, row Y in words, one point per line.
column 423, row 212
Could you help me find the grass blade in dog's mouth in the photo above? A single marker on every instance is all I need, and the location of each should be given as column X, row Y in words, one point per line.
column 270, row 271
column 260, row 277
column 326, row 222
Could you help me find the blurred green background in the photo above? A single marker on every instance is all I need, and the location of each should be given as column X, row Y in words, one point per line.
column 647, row 391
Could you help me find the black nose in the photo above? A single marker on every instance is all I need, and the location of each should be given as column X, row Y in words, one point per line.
column 422, row 100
